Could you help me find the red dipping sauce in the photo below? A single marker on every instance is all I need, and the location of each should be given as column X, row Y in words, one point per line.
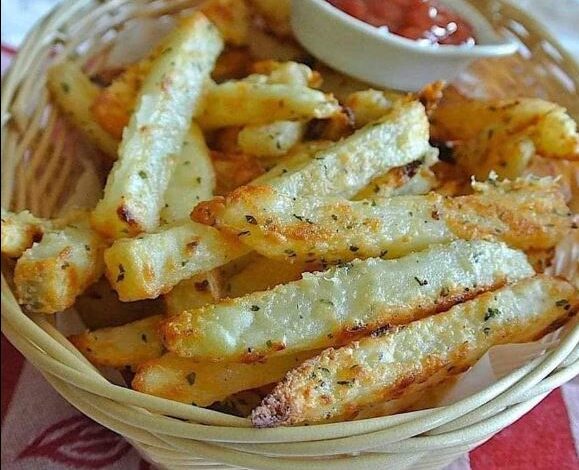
column 423, row 20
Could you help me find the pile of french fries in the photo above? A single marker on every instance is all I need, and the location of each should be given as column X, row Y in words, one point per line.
column 320, row 254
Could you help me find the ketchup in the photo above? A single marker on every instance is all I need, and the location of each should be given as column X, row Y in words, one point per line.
column 423, row 20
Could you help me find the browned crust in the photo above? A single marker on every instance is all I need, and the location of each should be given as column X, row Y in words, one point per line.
column 290, row 400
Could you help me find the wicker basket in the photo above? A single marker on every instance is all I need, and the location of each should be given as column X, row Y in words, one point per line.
column 39, row 169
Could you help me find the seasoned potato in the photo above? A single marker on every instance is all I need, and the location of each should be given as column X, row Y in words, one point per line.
column 415, row 178
column 347, row 166
column 113, row 106
column 133, row 196
column 20, row 231
column 152, row 264
column 54, row 272
column 271, row 140
column 391, row 364
column 181, row 379
column 192, row 178
column 527, row 214
column 288, row 73
column 74, row 93
column 346, row 302
column 369, row 105
column 122, row 346
column 263, row 274
column 240, row 103
column 503, row 136
column 197, row 291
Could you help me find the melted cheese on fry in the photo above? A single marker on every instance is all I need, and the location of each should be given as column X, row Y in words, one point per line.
column 337, row 383
column 331, row 307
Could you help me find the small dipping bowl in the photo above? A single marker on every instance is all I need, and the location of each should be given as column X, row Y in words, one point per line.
column 385, row 59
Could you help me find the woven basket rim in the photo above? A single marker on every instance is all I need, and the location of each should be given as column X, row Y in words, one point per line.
column 470, row 420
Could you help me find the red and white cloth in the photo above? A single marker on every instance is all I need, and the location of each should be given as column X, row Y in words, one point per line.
column 41, row 431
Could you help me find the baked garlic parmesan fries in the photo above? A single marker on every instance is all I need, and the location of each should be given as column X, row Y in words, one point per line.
column 262, row 231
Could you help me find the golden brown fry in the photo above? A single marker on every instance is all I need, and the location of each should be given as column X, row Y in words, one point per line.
column 53, row 273
column 152, row 264
column 271, row 140
column 202, row 384
column 407, row 360
column 121, row 346
column 133, row 196
column 346, row 302
column 503, row 136
column 74, row 93
column 20, row 231
column 113, row 106
column 345, row 167
column 263, row 274
column 200, row 290
column 239, row 103
column 526, row 214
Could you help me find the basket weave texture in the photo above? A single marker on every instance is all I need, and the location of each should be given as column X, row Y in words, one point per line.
column 40, row 169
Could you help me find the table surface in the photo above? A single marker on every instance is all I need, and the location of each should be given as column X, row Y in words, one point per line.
column 40, row 430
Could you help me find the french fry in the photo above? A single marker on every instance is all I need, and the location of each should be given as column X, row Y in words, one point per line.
column 347, row 166
column 549, row 126
column 241, row 103
column 502, row 136
column 113, row 106
column 288, row 73
column 390, row 365
column 122, row 346
column 231, row 17
column 152, row 264
column 133, row 196
column 51, row 274
column 297, row 158
column 192, row 179
column 271, row 140
column 200, row 290
column 263, row 274
column 74, row 93
column 338, row 305
column 20, row 230
column 369, row 105
column 526, row 214
column 202, row 384
column 415, row 178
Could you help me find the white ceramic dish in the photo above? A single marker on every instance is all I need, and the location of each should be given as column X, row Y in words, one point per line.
column 385, row 59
